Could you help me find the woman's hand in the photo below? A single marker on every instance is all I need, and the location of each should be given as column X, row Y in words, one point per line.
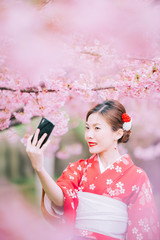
column 36, row 156
column 35, row 153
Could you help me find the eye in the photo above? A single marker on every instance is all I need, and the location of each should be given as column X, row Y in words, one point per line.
column 97, row 128
column 87, row 127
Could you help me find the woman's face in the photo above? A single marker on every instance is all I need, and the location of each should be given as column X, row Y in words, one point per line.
column 99, row 134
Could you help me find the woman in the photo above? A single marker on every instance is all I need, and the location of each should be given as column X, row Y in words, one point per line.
column 105, row 196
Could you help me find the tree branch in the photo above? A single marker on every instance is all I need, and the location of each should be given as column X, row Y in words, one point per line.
column 15, row 122
column 34, row 90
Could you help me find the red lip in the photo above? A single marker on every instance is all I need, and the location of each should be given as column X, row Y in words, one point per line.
column 92, row 144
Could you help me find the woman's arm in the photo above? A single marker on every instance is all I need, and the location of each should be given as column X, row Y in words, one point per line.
column 36, row 155
column 50, row 187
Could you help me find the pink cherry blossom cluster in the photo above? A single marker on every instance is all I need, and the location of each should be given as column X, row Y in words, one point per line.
column 148, row 153
column 24, row 213
column 48, row 61
column 67, row 151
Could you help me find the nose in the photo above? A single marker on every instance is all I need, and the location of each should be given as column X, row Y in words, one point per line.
column 89, row 134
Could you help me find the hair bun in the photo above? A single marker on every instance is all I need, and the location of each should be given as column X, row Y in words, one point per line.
column 125, row 137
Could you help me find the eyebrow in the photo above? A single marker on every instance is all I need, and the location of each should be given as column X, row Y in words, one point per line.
column 94, row 124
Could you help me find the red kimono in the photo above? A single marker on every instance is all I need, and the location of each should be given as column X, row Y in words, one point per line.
column 122, row 181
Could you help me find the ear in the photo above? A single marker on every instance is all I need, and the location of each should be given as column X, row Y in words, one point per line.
column 118, row 134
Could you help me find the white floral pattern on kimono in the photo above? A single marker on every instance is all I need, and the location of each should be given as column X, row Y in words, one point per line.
column 122, row 181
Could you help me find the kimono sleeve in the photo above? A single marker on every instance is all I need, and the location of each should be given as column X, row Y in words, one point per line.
column 69, row 183
column 142, row 213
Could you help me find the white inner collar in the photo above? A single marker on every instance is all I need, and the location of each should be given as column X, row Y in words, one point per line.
column 102, row 168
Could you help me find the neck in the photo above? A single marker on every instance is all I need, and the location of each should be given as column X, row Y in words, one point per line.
column 109, row 156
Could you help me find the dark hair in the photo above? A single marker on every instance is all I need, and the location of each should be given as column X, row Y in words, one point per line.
column 112, row 111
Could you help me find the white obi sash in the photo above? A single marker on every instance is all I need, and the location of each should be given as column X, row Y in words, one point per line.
column 101, row 214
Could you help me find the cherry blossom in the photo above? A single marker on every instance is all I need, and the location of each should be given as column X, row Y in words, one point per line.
column 83, row 60
column 135, row 230
column 109, row 181
column 55, row 67
column 68, row 150
column 118, row 169
column 92, row 186
column 135, row 188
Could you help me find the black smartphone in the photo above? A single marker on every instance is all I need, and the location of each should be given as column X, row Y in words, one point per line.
column 45, row 126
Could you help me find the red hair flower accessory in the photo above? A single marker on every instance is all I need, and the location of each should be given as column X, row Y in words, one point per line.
column 127, row 122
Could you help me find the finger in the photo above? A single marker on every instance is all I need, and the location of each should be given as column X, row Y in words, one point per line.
column 45, row 145
column 35, row 139
column 41, row 140
column 29, row 142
